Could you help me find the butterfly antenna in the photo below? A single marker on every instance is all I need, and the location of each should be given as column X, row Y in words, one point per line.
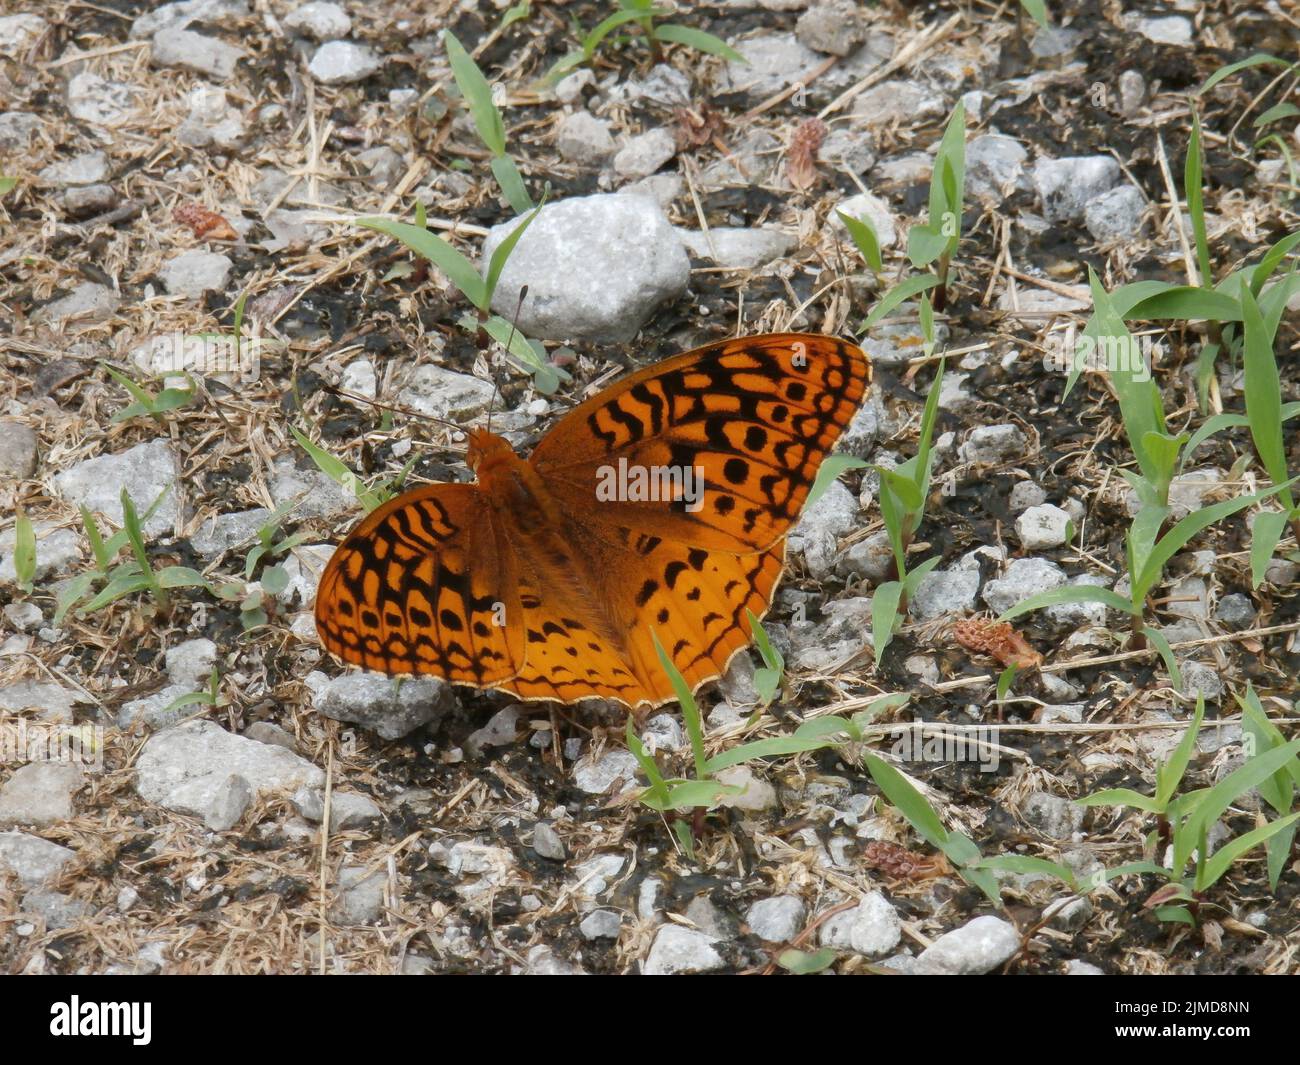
column 343, row 393
column 514, row 326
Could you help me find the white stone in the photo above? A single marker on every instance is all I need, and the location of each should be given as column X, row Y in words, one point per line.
column 644, row 154
column 177, row 47
column 584, row 139
column 1042, row 527
column 145, row 471
column 977, row 947
column 376, row 702
column 319, row 20
column 1116, row 214
column 738, row 248
column 614, row 767
column 1066, row 185
column 194, row 273
column 39, row 794
column 1171, row 29
column 104, row 103
column 778, row 919
column 677, row 950
column 19, row 32
column 343, row 62
column 898, row 101
column 88, row 169
column 34, row 861
column 872, row 927
column 596, row 267
column 1023, row 577
column 993, row 444
column 755, row 794
column 199, row 768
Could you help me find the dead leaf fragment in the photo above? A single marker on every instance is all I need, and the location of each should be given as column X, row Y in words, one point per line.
column 897, row 861
column 999, row 639
column 801, row 159
column 206, row 225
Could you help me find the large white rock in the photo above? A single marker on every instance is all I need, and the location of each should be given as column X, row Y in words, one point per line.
column 596, row 267
column 199, row 768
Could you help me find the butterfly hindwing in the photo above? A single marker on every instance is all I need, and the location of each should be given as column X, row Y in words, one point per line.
column 424, row 585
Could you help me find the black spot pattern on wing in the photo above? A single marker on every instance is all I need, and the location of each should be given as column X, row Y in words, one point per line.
column 411, row 591
column 755, row 417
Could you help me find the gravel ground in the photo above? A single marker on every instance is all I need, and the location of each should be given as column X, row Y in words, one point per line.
column 172, row 158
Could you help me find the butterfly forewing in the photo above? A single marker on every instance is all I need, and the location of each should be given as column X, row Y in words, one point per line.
column 744, row 423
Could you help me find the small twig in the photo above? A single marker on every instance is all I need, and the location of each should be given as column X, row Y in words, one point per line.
column 1123, row 656
column 802, row 937
column 688, row 171
column 81, row 57
column 786, row 93
column 324, row 851
column 918, row 45
column 1193, row 277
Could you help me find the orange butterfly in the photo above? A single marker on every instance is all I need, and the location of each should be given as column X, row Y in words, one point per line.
column 662, row 503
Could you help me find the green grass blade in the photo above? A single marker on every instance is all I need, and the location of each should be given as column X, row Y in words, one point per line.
column 1265, row 534
column 1166, row 653
column 1036, row 10
column 1185, row 302
column 477, row 92
column 459, row 270
column 503, row 251
column 832, row 466
column 1263, row 391
column 690, row 711
column 1209, row 427
column 1270, row 261
column 804, row 963
column 1177, row 537
column 1121, row 797
column 884, row 616
column 699, row 40
column 1026, row 863
column 512, row 183
column 656, row 796
column 1170, row 774
column 1276, row 113
column 864, row 236
column 907, row 800
column 1074, row 593
column 1258, row 59
column 24, row 552
column 900, row 293
column 73, row 592
column 1192, row 181
column 1218, row 798
column 1221, row 860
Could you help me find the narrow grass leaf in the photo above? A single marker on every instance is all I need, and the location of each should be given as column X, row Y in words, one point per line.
column 1166, row 653
column 459, row 270
column 831, row 468
column 1221, row 860
column 477, row 92
column 907, row 800
column 699, row 40
column 901, row 292
column 1068, row 594
column 864, row 236
column 1258, row 59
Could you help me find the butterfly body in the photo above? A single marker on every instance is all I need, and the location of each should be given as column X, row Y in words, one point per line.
column 659, row 505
